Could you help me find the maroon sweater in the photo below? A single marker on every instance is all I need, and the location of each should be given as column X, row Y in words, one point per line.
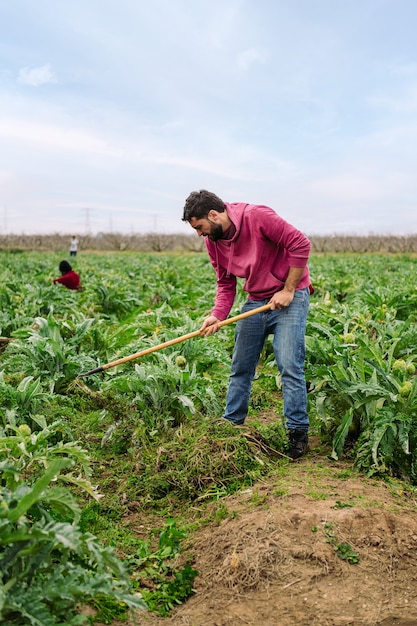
column 261, row 251
column 70, row 280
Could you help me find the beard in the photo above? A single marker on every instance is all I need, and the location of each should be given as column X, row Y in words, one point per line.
column 216, row 232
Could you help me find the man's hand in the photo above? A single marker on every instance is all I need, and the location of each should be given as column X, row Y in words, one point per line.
column 281, row 299
column 210, row 326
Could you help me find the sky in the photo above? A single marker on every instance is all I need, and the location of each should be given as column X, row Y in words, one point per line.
column 113, row 111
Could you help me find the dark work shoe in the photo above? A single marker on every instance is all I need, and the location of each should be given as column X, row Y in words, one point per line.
column 241, row 423
column 298, row 440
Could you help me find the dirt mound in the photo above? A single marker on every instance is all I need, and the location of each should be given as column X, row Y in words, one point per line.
column 316, row 545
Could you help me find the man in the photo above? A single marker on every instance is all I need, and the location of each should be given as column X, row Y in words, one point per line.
column 73, row 246
column 253, row 242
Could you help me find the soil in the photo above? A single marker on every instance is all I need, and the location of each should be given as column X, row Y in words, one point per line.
column 318, row 545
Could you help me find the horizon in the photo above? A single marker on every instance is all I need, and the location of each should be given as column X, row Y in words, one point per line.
column 192, row 235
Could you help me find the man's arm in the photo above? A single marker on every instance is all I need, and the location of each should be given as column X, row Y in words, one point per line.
column 285, row 296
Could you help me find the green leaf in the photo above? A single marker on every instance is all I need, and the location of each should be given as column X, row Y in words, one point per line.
column 378, row 436
column 63, row 501
column 38, row 488
column 341, row 434
column 187, row 402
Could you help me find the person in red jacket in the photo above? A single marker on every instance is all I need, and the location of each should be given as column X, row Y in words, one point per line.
column 68, row 277
column 254, row 243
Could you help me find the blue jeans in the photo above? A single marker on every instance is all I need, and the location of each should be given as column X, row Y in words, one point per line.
column 288, row 328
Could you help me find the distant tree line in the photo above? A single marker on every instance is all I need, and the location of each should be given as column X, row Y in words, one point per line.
column 158, row 242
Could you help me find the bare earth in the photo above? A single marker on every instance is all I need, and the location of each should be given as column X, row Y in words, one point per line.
column 277, row 559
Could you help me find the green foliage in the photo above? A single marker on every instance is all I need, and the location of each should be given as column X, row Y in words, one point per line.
column 28, row 453
column 151, row 425
column 196, row 462
column 165, row 393
column 49, row 349
column 115, row 300
column 166, row 585
column 48, row 567
column 26, row 398
column 361, row 370
column 343, row 550
column 47, row 564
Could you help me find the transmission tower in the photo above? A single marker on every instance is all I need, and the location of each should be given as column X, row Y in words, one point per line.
column 87, row 212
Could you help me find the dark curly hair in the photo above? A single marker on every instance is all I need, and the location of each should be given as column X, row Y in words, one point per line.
column 200, row 203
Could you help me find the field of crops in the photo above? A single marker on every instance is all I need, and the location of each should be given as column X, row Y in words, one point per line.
column 76, row 452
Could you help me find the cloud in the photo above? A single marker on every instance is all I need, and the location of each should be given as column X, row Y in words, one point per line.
column 5, row 176
column 249, row 57
column 353, row 187
column 216, row 95
column 405, row 69
column 52, row 136
column 36, row 76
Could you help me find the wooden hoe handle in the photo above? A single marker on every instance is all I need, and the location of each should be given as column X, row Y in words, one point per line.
column 171, row 342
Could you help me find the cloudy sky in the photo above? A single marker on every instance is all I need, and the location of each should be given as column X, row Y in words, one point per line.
column 112, row 111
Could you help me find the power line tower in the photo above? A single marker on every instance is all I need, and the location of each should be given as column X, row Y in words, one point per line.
column 87, row 212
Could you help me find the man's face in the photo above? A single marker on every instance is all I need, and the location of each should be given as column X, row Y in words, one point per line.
column 206, row 228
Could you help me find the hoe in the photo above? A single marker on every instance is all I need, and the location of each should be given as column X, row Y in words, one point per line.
column 172, row 342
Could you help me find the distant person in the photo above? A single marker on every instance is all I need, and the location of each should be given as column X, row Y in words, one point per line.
column 68, row 277
column 73, row 246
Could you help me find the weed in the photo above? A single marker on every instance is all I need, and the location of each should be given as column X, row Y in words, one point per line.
column 341, row 505
column 162, row 585
column 257, row 499
column 345, row 552
column 318, row 495
column 221, row 513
